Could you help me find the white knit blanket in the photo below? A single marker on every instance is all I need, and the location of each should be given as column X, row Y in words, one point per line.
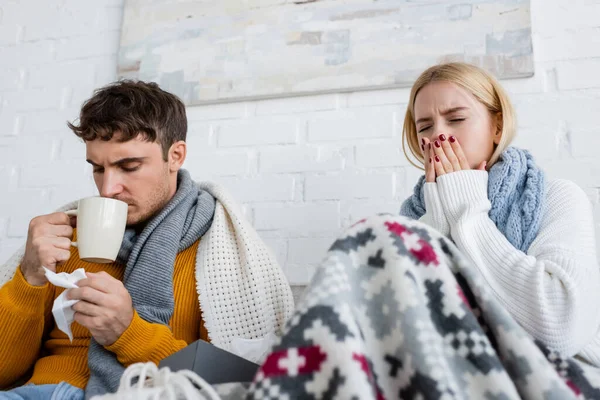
column 244, row 295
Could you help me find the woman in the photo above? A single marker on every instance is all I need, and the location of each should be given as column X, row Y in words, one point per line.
column 531, row 240
column 396, row 310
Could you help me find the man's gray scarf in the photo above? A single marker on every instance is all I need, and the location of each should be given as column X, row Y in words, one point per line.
column 149, row 259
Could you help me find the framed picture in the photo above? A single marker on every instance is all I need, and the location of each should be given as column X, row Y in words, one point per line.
column 211, row 51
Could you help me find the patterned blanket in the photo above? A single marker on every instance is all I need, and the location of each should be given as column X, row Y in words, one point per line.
column 395, row 311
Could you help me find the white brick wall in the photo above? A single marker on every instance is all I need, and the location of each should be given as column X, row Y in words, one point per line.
column 52, row 55
column 303, row 167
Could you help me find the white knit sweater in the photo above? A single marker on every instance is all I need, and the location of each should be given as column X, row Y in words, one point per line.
column 244, row 295
column 553, row 291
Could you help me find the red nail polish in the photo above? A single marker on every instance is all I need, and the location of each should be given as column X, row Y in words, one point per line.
column 423, row 142
column 422, row 147
column 437, row 159
column 437, row 143
column 429, row 146
column 442, row 137
column 452, row 139
column 430, row 159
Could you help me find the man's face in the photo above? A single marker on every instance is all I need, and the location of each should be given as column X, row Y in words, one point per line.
column 134, row 172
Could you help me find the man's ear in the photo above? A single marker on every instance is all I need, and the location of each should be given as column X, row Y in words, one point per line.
column 177, row 154
column 499, row 124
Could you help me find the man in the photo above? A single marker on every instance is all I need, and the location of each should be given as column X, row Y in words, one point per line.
column 190, row 266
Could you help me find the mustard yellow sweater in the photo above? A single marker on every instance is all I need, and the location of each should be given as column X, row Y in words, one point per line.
column 29, row 337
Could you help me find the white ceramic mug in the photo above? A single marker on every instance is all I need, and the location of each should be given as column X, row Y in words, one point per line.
column 100, row 227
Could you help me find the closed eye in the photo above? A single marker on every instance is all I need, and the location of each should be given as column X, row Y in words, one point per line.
column 457, row 119
column 130, row 169
column 424, row 129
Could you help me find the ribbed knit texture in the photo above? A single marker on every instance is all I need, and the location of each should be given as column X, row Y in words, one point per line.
column 434, row 216
column 553, row 289
column 23, row 308
column 517, row 192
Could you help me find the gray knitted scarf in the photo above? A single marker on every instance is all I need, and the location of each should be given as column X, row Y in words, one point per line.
column 149, row 258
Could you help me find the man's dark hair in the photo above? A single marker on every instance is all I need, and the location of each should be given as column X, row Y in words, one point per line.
column 133, row 108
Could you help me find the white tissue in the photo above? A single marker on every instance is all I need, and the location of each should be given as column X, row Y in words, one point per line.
column 62, row 309
column 255, row 350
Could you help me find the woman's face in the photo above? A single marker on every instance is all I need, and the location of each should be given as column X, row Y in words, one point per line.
column 445, row 108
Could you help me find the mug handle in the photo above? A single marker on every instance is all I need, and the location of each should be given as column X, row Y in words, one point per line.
column 72, row 213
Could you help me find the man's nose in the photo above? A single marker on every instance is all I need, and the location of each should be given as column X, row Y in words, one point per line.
column 111, row 185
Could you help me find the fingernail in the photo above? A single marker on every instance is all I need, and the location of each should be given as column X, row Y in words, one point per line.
column 437, row 159
column 422, row 141
column 430, row 159
column 452, row 139
column 442, row 137
column 429, row 146
column 437, row 143
column 422, row 147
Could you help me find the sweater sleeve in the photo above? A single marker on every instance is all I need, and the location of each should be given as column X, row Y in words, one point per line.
column 143, row 341
column 23, row 311
column 434, row 212
column 553, row 290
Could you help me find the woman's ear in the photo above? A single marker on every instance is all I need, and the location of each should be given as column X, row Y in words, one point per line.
column 499, row 125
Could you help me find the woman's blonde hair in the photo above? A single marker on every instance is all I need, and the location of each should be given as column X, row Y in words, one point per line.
column 476, row 81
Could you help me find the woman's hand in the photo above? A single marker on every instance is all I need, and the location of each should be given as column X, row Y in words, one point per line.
column 444, row 156
column 428, row 160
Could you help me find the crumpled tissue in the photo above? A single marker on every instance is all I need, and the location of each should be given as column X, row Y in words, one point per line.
column 62, row 309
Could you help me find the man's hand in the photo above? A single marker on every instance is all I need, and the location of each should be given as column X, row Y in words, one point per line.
column 105, row 306
column 48, row 244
